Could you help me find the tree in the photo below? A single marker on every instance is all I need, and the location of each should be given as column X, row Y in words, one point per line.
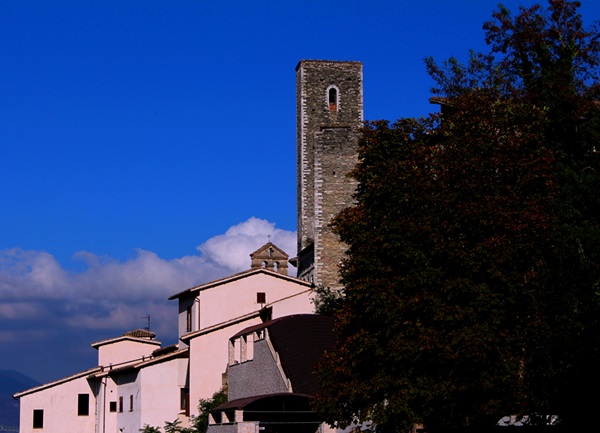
column 199, row 423
column 473, row 268
column 205, row 405
column 327, row 301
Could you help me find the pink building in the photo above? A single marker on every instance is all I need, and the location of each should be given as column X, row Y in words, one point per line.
column 138, row 382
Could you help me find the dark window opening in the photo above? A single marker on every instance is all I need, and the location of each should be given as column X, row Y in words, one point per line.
column 83, row 404
column 112, row 406
column 185, row 401
column 120, row 404
column 188, row 316
column 131, row 403
column 332, row 99
column 261, row 298
column 38, row 418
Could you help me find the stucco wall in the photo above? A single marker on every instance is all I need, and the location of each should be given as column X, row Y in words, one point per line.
column 160, row 400
column 209, row 352
column 237, row 298
column 125, row 350
column 208, row 361
column 59, row 404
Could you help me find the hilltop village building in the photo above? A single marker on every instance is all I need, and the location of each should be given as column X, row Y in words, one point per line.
column 254, row 333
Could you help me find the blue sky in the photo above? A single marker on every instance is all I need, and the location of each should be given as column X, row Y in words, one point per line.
column 148, row 146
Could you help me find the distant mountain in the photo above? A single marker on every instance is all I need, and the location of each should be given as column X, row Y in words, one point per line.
column 10, row 382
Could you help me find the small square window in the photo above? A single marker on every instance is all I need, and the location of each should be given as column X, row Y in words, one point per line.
column 83, row 404
column 38, row 418
column 112, row 406
column 261, row 298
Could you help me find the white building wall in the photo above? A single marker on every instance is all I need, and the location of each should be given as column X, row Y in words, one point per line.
column 209, row 352
column 160, row 400
column 238, row 297
column 125, row 350
column 59, row 405
column 221, row 302
column 208, row 361
column 154, row 391
column 111, row 390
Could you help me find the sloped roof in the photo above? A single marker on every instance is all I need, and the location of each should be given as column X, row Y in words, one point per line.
column 267, row 246
column 242, row 403
column 216, row 327
column 300, row 341
column 172, row 352
column 141, row 333
column 57, row 382
column 238, row 276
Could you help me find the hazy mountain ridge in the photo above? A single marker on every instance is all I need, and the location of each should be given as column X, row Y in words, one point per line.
column 10, row 382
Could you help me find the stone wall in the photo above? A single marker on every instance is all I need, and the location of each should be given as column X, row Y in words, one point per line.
column 327, row 137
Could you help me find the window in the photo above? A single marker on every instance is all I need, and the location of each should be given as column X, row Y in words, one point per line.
column 188, row 318
column 38, row 418
column 131, row 403
column 185, row 401
column 332, row 98
column 120, row 404
column 261, row 298
column 112, row 406
column 83, row 404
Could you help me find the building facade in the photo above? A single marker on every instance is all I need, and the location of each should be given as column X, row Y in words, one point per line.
column 138, row 382
column 271, row 377
column 329, row 113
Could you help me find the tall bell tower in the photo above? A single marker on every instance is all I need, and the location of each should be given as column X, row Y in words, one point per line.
column 329, row 113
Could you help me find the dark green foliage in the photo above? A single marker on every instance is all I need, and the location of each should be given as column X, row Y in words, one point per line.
column 170, row 427
column 149, row 429
column 204, row 408
column 199, row 423
column 327, row 301
column 473, row 268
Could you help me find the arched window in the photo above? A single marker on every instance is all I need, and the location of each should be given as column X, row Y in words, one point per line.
column 332, row 98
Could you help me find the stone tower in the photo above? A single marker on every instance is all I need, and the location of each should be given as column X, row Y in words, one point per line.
column 329, row 112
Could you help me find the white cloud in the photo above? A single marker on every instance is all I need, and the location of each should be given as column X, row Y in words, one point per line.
column 113, row 294
column 18, row 310
column 232, row 249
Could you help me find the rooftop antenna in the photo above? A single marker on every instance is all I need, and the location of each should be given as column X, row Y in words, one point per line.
column 147, row 317
column 269, row 238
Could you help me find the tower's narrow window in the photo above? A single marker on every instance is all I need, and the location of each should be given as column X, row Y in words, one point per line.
column 188, row 319
column 333, row 99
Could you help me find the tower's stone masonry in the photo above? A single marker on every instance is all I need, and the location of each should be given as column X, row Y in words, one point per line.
column 329, row 110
